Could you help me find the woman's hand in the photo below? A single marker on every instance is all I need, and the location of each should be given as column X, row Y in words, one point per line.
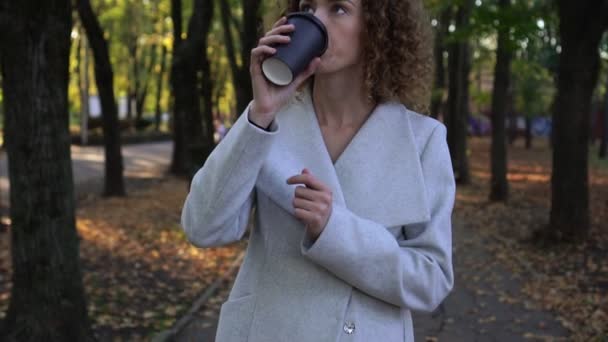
column 267, row 97
column 312, row 203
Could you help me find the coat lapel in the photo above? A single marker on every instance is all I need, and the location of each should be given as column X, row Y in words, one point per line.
column 380, row 170
column 299, row 145
column 378, row 176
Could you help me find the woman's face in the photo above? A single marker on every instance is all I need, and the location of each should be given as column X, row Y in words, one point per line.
column 344, row 22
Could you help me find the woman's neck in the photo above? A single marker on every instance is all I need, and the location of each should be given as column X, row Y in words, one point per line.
column 339, row 99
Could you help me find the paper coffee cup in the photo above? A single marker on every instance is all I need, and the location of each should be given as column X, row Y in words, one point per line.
column 308, row 40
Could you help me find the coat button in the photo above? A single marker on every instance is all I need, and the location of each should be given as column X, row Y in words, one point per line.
column 349, row 327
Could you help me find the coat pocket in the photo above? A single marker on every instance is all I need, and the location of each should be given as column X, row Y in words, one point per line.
column 235, row 319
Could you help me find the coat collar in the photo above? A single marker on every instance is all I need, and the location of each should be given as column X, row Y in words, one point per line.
column 378, row 176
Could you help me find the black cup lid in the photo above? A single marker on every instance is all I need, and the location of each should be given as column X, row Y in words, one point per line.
column 314, row 20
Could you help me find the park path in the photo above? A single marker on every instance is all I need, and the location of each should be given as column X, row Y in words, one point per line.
column 148, row 160
column 486, row 304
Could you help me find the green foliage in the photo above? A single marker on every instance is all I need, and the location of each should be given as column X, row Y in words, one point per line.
column 136, row 32
column 532, row 26
column 437, row 94
column 519, row 20
column 129, row 26
column 543, row 45
column 533, row 88
column 147, row 26
column 481, row 98
column 271, row 10
column 594, row 159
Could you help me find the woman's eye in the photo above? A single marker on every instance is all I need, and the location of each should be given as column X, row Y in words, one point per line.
column 339, row 9
column 306, row 8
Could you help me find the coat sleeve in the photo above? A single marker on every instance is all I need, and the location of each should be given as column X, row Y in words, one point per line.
column 414, row 273
column 216, row 210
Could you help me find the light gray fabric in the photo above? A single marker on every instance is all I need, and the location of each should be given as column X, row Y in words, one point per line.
column 386, row 249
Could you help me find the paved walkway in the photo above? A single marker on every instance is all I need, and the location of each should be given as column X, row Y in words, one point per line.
column 480, row 308
column 149, row 160
column 486, row 303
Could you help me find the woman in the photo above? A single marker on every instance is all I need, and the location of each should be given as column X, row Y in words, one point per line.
column 353, row 191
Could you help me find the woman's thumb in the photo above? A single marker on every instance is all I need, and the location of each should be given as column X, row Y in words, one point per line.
column 312, row 67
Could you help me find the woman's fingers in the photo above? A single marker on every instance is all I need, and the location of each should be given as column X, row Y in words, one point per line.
column 280, row 21
column 313, row 203
column 262, row 51
column 273, row 39
column 301, row 78
column 311, row 206
column 306, row 193
column 281, row 29
column 258, row 54
column 308, row 180
column 312, row 195
column 314, row 190
column 308, row 217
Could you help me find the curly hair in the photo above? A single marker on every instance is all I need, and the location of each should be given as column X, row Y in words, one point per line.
column 397, row 45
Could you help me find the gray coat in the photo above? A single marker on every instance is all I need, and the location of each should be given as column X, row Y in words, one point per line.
column 386, row 249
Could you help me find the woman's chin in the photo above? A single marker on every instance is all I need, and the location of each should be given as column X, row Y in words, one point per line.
column 327, row 67
column 323, row 68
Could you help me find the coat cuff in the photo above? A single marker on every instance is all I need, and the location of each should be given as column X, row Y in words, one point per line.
column 324, row 246
column 273, row 127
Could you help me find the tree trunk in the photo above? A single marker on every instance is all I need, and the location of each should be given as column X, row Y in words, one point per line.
column 593, row 116
column 2, row 143
column 252, row 29
column 250, row 32
column 186, row 64
column 136, row 80
column 143, row 92
column 604, row 121
column 159, row 88
column 134, row 84
column 104, row 78
column 458, row 108
column 439, row 86
column 218, row 89
column 1, row 112
column 129, row 104
column 230, row 50
column 581, row 28
column 512, row 135
column 178, row 160
column 83, row 78
column 206, row 95
column 528, row 133
column 499, row 187
column 201, row 143
column 139, row 109
column 552, row 132
column 47, row 301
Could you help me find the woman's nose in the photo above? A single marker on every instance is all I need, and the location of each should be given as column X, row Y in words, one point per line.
column 321, row 15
